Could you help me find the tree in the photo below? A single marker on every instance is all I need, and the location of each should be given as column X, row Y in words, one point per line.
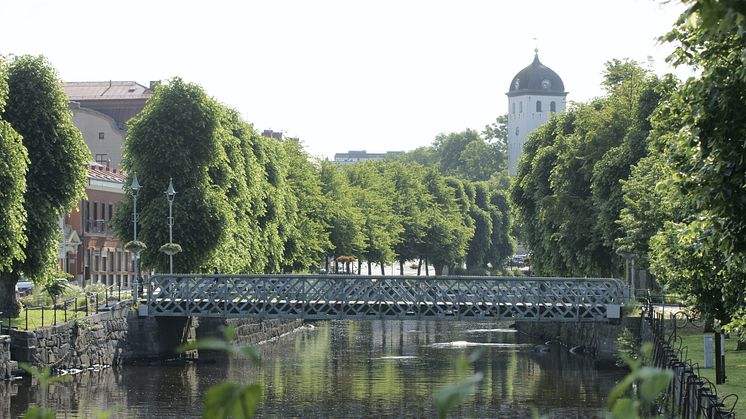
column 447, row 233
column 381, row 226
column 307, row 241
column 705, row 151
column 37, row 109
column 410, row 201
column 568, row 189
column 342, row 217
column 12, row 187
column 178, row 135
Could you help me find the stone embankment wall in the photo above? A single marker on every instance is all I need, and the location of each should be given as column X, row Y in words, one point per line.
column 99, row 339
column 248, row 331
column 6, row 365
column 120, row 336
column 596, row 339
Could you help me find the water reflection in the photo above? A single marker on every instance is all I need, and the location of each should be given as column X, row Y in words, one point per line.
column 350, row 369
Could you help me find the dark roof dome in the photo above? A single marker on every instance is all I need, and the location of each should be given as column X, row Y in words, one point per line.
column 537, row 79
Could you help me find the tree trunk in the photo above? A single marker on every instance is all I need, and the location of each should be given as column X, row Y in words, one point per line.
column 9, row 305
column 741, row 346
column 438, row 269
column 383, row 269
column 327, row 263
column 359, row 266
column 401, row 267
column 419, row 267
column 336, row 267
column 427, row 270
column 709, row 326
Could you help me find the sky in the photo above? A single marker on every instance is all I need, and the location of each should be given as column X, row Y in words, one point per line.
column 344, row 75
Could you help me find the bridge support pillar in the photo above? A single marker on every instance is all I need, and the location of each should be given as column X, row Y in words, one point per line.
column 152, row 338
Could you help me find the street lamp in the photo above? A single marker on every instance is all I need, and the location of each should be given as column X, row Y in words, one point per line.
column 135, row 188
column 170, row 194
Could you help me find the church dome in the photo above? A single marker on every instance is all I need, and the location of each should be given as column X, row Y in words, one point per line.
column 537, row 79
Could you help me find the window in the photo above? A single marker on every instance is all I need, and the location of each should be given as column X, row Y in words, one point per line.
column 552, row 107
column 102, row 159
column 538, row 106
column 520, row 107
column 111, row 211
column 95, row 211
column 514, row 108
column 516, row 131
column 100, row 135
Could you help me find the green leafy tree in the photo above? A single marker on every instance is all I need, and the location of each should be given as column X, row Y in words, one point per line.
column 705, row 150
column 178, row 135
column 381, row 226
column 37, row 109
column 307, row 241
column 447, row 233
column 410, row 201
column 12, row 187
column 568, row 189
column 343, row 218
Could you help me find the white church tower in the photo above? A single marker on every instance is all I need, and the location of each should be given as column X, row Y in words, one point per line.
column 535, row 93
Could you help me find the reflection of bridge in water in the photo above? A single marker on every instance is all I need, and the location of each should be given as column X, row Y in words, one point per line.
column 326, row 297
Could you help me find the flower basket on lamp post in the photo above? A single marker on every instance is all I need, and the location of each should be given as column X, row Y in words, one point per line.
column 170, row 249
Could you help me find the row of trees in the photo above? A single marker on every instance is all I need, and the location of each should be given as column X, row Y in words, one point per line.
column 42, row 171
column 246, row 203
column 567, row 191
column 655, row 170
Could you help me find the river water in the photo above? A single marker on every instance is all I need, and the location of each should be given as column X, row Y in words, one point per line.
column 350, row 369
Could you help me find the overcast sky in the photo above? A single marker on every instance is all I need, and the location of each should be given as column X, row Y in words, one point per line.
column 343, row 75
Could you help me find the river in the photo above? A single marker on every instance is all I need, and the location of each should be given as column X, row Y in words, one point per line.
column 350, row 369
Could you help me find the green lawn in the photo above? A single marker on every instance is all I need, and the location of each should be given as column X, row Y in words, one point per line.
column 34, row 318
column 735, row 366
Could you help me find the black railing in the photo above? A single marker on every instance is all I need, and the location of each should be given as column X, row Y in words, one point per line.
column 63, row 311
column 689, row 395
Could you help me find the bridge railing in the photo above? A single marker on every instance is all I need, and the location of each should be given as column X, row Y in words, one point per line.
column 399, row 297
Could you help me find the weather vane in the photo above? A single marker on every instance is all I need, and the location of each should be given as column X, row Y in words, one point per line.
column 536, row 45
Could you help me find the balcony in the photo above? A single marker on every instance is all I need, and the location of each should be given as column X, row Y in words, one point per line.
column 98, row 228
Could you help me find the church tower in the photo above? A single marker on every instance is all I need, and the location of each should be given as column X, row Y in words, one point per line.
column 535, row 93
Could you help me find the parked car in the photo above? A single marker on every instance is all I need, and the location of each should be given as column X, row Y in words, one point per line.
column 24, row 288
column 518, row 260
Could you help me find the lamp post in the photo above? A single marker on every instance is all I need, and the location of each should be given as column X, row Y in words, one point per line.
column 135, row 188
column 170, row 194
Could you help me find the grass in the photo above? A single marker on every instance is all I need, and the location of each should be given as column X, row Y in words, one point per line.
column 32, row 318
column 735, row 365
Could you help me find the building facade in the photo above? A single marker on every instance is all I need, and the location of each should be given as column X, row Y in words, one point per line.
column 101, row 111
column 535, row 93
column 352, row 157
column 91, row 251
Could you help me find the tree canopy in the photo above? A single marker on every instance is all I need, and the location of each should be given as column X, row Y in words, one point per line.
column 37, row 109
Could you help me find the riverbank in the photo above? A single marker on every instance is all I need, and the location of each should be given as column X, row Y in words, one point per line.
column 595, row 339
column 119, row 336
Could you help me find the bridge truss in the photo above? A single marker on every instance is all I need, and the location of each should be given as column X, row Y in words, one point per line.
column 325, row 297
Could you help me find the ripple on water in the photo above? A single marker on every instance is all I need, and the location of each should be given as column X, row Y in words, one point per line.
column 465, row 344
column 491, row 331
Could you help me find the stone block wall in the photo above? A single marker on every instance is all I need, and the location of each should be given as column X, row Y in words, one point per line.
column 6, row 365
column 596, row 339
column 120, row 336
column 248, row 331
column 99, row 339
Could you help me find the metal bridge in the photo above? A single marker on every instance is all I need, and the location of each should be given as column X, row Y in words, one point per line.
column 326, row 297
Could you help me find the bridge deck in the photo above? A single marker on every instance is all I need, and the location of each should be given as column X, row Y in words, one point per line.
column 383, row 297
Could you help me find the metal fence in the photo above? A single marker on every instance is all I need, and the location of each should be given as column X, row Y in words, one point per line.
column 88, row 303
column 689, row 395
